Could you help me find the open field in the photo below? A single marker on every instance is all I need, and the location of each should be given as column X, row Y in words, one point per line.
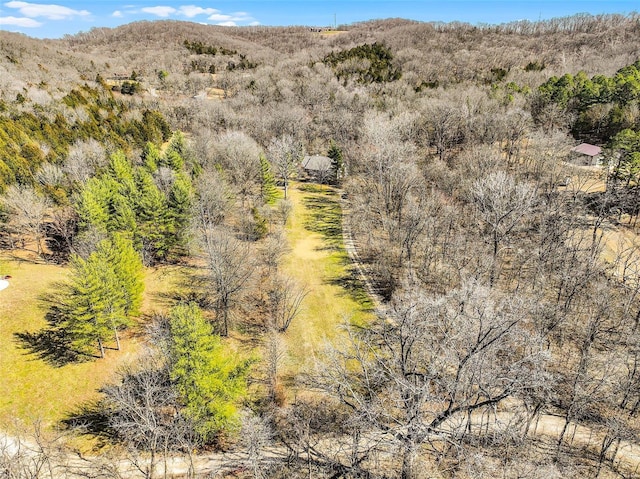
column 319, row 262
column 36, row 383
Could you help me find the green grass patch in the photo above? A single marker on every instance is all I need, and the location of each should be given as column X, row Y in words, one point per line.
column 34, row 388
column 319, row 262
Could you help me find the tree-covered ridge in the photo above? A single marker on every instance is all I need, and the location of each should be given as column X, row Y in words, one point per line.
column 203, row 65
column 596, row 108
column 30, row 138
column 200, row 48
column 368, row 63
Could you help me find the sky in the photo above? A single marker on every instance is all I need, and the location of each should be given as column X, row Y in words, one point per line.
column 53, row 20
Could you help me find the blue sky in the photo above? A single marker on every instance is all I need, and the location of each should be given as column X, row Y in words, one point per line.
column 53, row 19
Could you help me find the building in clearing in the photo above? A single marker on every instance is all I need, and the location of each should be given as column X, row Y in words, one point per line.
column 586, row 155
column 317, row 167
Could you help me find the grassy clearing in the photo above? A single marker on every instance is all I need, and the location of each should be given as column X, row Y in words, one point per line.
column 319, row 261
column 36, row 388
column 33, row 386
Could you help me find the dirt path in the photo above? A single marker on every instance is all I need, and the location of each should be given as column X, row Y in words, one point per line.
column 352, row 251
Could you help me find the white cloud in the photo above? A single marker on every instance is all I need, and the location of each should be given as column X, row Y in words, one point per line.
column 51, row 12
column 234, row 17
column 20, row 22
column 254, row 23
column 227, row 24
column 160, row 11
column 191, row 11
column 219, row 17
column 117, row 14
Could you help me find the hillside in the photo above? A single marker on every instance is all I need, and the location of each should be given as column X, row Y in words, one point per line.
column 503, row 339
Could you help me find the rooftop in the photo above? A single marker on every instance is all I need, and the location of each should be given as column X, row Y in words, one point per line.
column 587, row 149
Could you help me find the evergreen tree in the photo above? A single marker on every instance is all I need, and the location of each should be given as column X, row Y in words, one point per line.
column 92, row 204
column 127, row 266
column 106, row 202
column 337, row 162
column 155, row 226
column 173, row 160
column 92, row 308
column 151, row 157
column 179, row 203
column 120, row 170
column 103, row 292
column 209, row 380
column 268, row 190
column 125, row 198
column 177, row 144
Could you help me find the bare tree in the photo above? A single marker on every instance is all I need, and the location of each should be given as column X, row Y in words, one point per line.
column 421, row 373
column 443, row 120
column 83, row 160
column 285, row 153
column 28, row 211
column 229, row 269
column 285, row 209
column 502, row 204
column 285, row 302
column 255, row 435
column 238, row 156
column 274, row 248
column 275, row 356
column 141, row 406
column 62, row 227
column 213, row 201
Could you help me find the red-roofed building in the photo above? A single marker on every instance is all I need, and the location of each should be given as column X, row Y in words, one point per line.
column 586, row 154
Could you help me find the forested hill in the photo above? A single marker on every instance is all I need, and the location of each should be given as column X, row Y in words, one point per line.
column 231, row 165
column 426, row 51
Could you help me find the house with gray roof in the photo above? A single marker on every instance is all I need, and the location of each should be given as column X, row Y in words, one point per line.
column 317, row 167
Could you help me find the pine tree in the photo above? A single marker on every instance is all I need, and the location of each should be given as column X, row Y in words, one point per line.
column 155, row 226
column 180, row 201
column 337, row 162
column 103, row 292
column 151, row 157
column 173, row 160
column 125, row 198
column 177, row 144
column 93, row 306
column 121, row 170
column 106, row 204
column 92, row 204
column 209, row 380
column 268, row 190
column 127, row 266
